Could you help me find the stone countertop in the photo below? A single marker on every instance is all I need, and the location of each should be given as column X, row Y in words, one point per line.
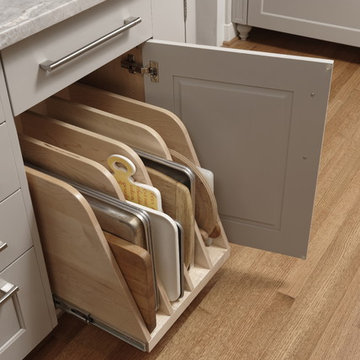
column 20, row 19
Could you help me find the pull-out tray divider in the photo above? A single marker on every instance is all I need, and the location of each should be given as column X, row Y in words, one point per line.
column 122, row 317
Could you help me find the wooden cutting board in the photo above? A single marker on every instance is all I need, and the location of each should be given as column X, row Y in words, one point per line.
column 206, row 213
column 72, row 166
column 166, row 123
column 130, row 132
column 177, row 203
column 80, row 141
column 135, row 265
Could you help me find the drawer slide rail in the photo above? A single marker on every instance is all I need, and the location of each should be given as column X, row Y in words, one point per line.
column 89, row 319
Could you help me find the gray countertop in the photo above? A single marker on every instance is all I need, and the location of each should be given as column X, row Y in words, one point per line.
column 20, row 19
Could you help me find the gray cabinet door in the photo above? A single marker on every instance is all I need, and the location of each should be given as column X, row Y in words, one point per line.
column 256, row 120
column 331, row 20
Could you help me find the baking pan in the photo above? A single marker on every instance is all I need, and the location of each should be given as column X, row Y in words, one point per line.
column 119, row 222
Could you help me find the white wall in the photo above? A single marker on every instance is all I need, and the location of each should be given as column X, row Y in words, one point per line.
column 168, row 20
column 213, row 22
column 208, row 21
column 229, row 27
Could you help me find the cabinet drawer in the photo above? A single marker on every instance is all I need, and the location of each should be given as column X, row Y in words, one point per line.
column 15, row 236
column 23, row 310
column 28, row 83
column 9, row 181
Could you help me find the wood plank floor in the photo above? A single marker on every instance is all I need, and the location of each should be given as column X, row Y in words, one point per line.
column 262, row 305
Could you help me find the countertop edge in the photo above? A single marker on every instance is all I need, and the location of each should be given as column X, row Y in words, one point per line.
column 11, row 34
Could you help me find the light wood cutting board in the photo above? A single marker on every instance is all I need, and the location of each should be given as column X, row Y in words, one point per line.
column 135, row 265
column 130, row 132
column 177, row 203
column 166, row 123
column 69, row 165
column 80, row 141
column 206, row 213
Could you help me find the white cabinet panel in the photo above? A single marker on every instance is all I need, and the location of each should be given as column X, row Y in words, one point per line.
column 256, row 120
column 15, row 235
column 28, row 84
column 23, row 312
column 331, row 20
column 326, row 12
column 9, row 181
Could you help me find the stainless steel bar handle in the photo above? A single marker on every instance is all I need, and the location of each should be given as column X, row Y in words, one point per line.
column 7, row 289
column 3, row 245
column 49, row 65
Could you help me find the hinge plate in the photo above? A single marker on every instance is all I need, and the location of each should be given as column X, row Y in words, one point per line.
column 152, row 69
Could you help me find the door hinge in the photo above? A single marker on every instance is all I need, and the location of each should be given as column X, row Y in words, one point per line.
column 152, row 69
column 185, row 10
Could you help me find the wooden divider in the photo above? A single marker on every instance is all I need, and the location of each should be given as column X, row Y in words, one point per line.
column 81, row 266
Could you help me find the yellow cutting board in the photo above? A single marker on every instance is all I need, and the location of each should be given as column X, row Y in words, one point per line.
column 123, row 169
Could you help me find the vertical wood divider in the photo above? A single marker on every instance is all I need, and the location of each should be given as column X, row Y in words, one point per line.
column 165, row 305
column 201, row 256
column 188, row 285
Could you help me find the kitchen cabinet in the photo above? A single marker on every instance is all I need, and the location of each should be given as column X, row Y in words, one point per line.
column 326, row 20
column 256, row 120
column 26, row 308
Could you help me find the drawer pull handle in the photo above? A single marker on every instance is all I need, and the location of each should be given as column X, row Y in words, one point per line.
column 7, row 289
column 49, row 65
column 3, row 245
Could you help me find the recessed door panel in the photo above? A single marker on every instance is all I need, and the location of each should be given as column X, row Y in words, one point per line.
column 236, row 154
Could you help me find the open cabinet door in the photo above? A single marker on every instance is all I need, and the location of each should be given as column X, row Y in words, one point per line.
column 256, row 120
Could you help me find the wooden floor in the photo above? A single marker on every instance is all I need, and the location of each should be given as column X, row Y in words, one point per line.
column 261, row 305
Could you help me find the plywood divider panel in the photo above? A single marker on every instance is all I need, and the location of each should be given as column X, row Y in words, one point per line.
column 188, row 285
column 222, row 240
column 79, row 141
column 81, row 266
column 165, row 305
column 201, row 254
column 130, row 132
column 166, row 123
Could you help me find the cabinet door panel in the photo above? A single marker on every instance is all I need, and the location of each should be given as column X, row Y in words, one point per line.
column 15, row 230
column 9, row 181
column 25, row 312
column 257, row 121
column 323, row 19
